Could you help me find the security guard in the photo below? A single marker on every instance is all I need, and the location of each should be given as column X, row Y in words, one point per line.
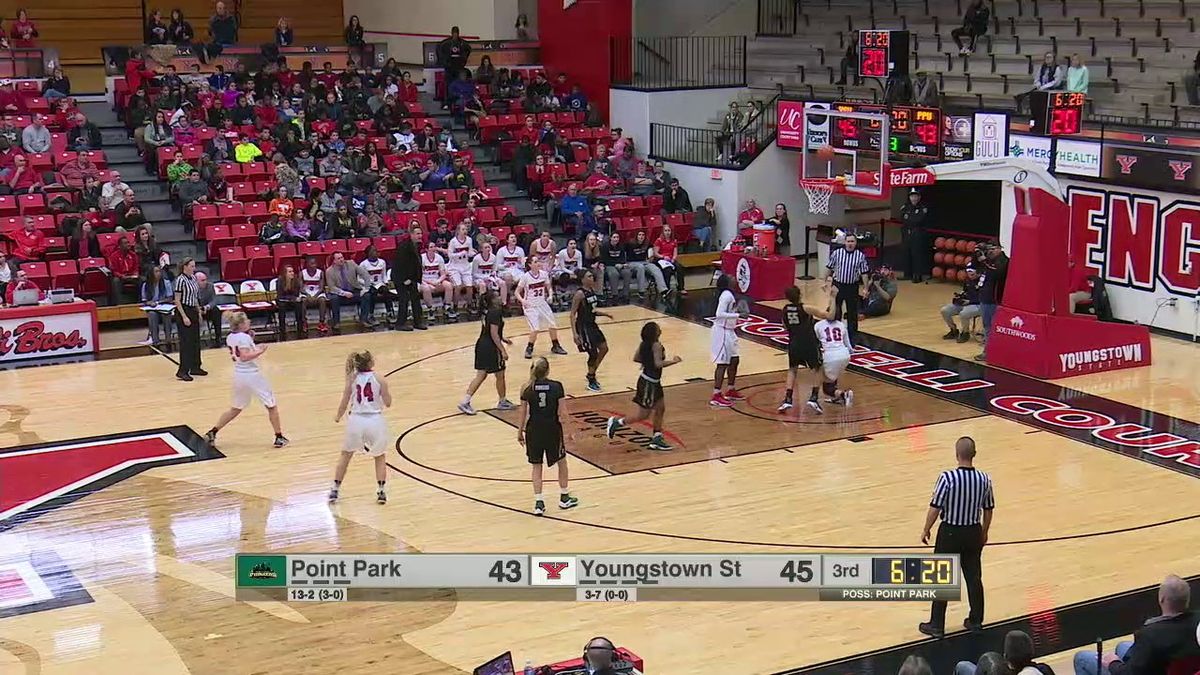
column 915, row 242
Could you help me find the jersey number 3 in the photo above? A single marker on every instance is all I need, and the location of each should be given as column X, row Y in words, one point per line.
column 541, row 399
column 364, row 393
column 833, row 334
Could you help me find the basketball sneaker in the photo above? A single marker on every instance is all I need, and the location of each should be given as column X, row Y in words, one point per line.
column 505, row 404
column 719, row 401
column 558, row 349
column 333, row 494
column 380, row 496
column 732, row 394
column 614, row 425
column 593, row 384
column 567, row 502
column 785, row 406
column 465, row 408
column 539, row 508
column 659, row 443
column 281, row 440
column 211, row 437
column 848, row 397
column 815, row 405
column 529, row 351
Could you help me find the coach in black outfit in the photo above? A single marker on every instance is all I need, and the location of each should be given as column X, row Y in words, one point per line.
column 187, row 313
column 406, row 275
column 963, row 499
column 848, row 271
column 915, row 237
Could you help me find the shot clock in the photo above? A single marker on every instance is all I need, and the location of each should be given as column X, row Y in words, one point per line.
column 912, row 130
column 882, row 52
column 1056, row 113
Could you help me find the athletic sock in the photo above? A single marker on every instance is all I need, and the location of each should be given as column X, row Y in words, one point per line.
column 213, row 431
column 466, row 400
column 787, row 395
column 813, row 396
column 382, row 484
column 563, row 493
column 538, row 498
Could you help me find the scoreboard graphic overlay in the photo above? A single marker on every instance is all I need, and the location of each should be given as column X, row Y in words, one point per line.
column 336, row 577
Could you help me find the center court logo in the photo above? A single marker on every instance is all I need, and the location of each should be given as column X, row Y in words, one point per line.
column 596, row 421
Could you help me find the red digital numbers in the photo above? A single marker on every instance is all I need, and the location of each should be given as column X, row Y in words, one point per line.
column 1064, row 121
column 876, row 38
column 873, row 62
column 927, row 133
column 847, row 127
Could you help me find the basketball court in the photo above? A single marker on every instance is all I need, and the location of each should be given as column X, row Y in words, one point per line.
column 129, row 568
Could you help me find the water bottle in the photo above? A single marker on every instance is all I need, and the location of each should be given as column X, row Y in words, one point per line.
column 529, row 667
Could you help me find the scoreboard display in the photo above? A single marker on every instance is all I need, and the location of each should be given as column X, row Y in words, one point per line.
column 1057, row 113
column 882, row 52
column 914, row 131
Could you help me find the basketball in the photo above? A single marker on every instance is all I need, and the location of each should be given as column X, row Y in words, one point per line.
column 826, row 153
column 939, row 258
column 951, row 243
column 971, row 246
column 962, row 275
column 940, row 242
column 962, row 246
column 960, row 260
column 938, row 273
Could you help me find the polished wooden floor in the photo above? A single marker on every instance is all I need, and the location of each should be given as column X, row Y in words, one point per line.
column 155, row 552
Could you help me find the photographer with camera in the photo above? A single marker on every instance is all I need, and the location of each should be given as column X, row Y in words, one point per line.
column 881, row 291
column 991, row 286
column 964, row 305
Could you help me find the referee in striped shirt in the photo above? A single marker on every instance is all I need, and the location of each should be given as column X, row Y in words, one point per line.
column 963, row 498
column 848, row 272
column 187, row 312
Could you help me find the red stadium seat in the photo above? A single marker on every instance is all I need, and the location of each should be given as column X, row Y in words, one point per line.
column 204, row 216
column 31, row 203
column 333, row 245
column 386, row 245
column 38, row 273
column 234, row 265
column 524, row 228
column 243, row 191
column 219, row 237
column 504, row 210
column 310, row 248
column 62, row 158
column 8, row 206
column 10, row 223
column 230, row 213
column 65, row 274
column 358, row 248
column 244, row 234
column 95, row 282
column 501, row 232
column 256, row 212
column 284, row 255
column 262, row 262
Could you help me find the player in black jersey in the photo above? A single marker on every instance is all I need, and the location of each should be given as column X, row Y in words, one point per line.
column 649, row 396
column 490, row 354
column 588, row 336
column 541, row 432
column 803, row 349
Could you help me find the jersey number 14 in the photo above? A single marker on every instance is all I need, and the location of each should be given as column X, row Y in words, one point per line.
column 364, row 393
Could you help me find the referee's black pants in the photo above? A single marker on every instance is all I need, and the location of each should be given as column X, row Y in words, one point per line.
column 189, row 342
column 847, row 294
column 967, row 542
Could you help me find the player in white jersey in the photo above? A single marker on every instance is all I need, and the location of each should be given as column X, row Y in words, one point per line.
column 543, row 248
column 512, row 261
column 366, row 395
column 461, row 250
column 248, row 381
column 485, row 271
column 377, row 289
column 533, row 292
column 725, row 346
column 835, row 356
column 312, row 291
column 567, row 263
column 434, row 278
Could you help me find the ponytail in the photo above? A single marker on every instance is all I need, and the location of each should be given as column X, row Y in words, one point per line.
column 359, row 361
column 235, row 319
column 538, row 371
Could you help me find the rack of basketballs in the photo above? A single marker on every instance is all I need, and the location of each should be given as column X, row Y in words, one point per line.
column 951, row 257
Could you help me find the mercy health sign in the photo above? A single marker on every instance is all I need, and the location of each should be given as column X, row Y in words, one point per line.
column 48, row 331
column 1145, row 245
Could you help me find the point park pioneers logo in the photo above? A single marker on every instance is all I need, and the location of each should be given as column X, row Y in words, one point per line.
column 261, row 570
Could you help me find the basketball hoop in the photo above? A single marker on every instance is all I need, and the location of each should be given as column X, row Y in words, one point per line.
column 819, row 191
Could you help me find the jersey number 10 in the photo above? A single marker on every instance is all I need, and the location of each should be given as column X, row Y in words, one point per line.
column 366, row 393
column 833, row 334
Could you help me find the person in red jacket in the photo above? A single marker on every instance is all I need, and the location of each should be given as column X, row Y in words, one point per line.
column 136, row 72
column 20, row 283
column 29, row 245
column 125, row 268
column 10, row 101
column 24, row 179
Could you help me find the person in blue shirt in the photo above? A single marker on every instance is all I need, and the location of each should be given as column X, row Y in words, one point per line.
column 219, row 81
column 574, row 207
column 576, row 101
column 460, row 91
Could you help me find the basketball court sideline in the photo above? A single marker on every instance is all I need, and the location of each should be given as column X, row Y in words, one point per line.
column 150, row 553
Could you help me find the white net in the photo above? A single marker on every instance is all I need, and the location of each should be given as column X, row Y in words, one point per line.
column 819, row 193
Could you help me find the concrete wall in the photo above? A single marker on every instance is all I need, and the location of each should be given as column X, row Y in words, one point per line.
column 721, row 185
column 772, row 179
column 691, row 17
column 419, row 22
column 634, row 111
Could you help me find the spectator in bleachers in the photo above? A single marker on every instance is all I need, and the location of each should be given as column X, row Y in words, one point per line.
column 592, row 256
column 1077, row 75
column 129, row 214
column 83, row 243
column 666, row 248
column 299, row 229
column 8, row 157
column 705, row 223
column 576, row 101
column 113, row 192
column 522, row 27
column 320, row 227
column 850, row 61
column 593, row 118
column 177, row 170
column 10, row 133
column 676, row 199
column 75, row 172
column 616, row 267
column 354, row 32
column 24, row 179
column 751, row 214
column 344, row 283
column 146, row 246
column 85, row 135
column 925, row 90
column 56, row 86
column 222, row 30
column 156, row 290
column 23, row 31
column 122, row 261
column 1163, row 639
column 246, row 151
column 20, row 282
column 158, row 135
column 343, row 222
column 89, row 195
column 453, row 53
column 1050, row 75
column 282, row 205
column 975, row 23
column 1018, row 658
column 156, row 29
column 29, row 245
column 898, row 90
column 486, row 72
column 36, row 137
column 170, row 78
column 180, row 32
column 10, row 101
column 272, row 231
column 284, row 36
column 625, row 164
column 641, row 184
column 190, row 192
column 637, row 252
column 662, row 178
column 572, row 208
